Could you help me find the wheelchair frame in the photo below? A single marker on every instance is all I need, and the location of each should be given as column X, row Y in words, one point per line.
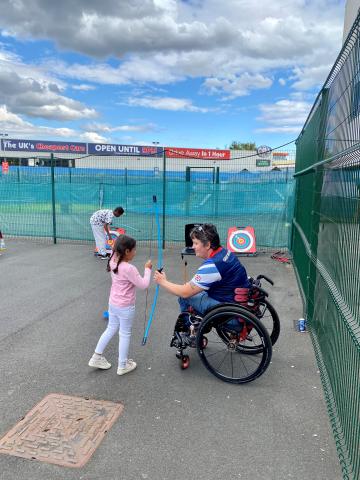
column 231, row 339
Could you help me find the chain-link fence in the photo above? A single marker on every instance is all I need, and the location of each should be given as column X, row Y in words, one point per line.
column 325, row 244
column 53, row 197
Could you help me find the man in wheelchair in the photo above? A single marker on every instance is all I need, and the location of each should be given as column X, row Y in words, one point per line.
column 213, row 283
column 231, row 342
column 216, row 279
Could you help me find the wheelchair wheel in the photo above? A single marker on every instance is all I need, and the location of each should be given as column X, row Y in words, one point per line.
column 270, row 319
column 230, row 330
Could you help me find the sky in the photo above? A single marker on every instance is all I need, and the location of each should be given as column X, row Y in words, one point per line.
column 184, row 73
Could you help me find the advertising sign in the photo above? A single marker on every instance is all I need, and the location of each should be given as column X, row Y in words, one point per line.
column 15, row 145
column 263, row 151
column 113, row 149
column 280, row 154
column 263, row 162
column 197, row 153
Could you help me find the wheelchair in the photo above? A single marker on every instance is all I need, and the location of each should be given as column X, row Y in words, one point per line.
column 234, row 340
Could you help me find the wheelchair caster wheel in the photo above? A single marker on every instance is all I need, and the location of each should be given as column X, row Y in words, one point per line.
column 185, row 362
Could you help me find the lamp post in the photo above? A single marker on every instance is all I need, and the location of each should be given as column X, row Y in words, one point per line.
column 2, row 135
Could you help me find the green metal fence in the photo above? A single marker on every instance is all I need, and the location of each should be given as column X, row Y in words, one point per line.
column 53, row 198
column 326, row 241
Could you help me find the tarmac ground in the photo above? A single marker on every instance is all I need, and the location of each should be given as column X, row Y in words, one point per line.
column 176, row 424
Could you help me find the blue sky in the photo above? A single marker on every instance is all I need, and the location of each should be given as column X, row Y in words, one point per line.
column 195, row 73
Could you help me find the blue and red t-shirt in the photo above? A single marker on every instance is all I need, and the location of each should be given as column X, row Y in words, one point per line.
column 220, row 274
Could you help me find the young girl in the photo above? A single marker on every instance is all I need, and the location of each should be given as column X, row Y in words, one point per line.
column 125, row 278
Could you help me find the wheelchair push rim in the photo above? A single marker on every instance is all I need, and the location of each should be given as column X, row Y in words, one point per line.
column 270, row 319
column 227, row 329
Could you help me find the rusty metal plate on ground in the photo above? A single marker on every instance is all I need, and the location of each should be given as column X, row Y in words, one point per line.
column 61, row 429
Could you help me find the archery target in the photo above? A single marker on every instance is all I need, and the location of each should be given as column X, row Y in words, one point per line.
column 241, row 240
column 113, row 236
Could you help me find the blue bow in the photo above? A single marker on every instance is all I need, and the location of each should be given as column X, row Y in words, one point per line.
column 159, row 267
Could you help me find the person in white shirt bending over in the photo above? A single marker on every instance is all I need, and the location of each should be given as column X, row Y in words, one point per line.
column 100, row 222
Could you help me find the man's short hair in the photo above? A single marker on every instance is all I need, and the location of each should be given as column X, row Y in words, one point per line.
column 206, row 233
column 118, row 211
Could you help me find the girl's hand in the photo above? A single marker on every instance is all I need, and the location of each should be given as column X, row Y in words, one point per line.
column 148, row 264
column 159, row 277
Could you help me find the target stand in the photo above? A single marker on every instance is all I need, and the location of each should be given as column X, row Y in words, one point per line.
column 114, row 234
column 241, row 241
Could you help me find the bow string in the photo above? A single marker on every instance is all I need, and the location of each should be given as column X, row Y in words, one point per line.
column 159, row 268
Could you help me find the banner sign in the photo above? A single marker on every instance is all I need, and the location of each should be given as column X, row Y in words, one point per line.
column 112, row 149
column 43, row 146
column 197, row 153
column 280, row 154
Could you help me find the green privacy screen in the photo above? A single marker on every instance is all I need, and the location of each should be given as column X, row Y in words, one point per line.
column 326, row 244
column 57, row 201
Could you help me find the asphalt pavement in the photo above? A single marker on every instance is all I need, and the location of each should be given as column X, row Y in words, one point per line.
column 177, row 424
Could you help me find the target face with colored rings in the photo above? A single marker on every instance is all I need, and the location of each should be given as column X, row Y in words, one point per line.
column 241, row 241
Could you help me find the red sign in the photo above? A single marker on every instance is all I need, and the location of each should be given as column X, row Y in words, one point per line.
column 199, row 153
column 280, row 154
column 5, row 167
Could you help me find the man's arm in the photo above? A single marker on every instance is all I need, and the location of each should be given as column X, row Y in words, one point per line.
column 185, row 291
column 106, row 226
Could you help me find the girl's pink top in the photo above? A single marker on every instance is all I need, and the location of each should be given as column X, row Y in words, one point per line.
column 124, row 283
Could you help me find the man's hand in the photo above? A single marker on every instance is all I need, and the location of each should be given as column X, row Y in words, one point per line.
column 159, row 277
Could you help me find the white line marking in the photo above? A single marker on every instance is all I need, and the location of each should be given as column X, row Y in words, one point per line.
column 280, row 195
column 205, row 199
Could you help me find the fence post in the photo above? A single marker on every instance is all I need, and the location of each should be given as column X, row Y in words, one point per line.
column 101, row 195
column 316, row 206
column 53, row 197
column 164, row 195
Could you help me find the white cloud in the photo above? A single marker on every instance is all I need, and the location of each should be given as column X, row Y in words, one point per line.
column 93, row 137
column 10, row 121
column 166, row 103
column 233, row 48
column 14, row 126
column 233, row 86
column 310, row 77
column 287, row 116
column 166, row 41
column 83, row 87
column 26, row 92
column 100, row 127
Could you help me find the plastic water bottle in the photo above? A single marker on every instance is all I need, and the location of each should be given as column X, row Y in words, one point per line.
column 302, row 325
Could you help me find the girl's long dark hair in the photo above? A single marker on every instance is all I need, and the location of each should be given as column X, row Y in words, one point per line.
column 122, row 243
